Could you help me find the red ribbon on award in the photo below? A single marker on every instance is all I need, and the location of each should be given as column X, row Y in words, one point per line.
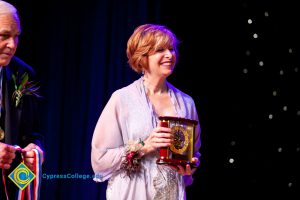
column 32, row 189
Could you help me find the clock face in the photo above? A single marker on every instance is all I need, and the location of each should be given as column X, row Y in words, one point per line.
column 181, row 139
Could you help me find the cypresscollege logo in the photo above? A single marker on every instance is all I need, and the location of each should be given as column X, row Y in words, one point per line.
column 22, row 176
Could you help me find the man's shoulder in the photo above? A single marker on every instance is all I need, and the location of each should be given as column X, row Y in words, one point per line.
column 17, row 64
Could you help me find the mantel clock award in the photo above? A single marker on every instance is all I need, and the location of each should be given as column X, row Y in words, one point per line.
column 182, row 149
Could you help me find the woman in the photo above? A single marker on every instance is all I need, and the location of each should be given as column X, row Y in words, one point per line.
column 129, row 124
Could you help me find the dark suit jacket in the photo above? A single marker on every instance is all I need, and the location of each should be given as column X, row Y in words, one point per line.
column 21, row 124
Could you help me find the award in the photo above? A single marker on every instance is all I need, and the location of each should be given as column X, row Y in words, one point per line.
column 182, row 149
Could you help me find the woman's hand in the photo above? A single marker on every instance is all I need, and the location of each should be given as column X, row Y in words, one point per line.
column 160, row 137
column 187, row 170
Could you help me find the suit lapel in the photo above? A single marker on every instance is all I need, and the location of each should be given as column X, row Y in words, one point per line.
column 12, row 113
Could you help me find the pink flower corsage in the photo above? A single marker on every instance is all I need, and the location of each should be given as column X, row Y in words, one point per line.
column 131, row 163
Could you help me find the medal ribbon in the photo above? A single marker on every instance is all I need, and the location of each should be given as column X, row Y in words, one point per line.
column 32, row 191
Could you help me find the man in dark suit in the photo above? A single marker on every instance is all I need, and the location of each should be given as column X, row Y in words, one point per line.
column 19, row 121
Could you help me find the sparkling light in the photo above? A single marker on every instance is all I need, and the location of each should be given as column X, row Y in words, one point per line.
column 273, row 94
column 270, row 116
column 281, row 72
column 266, row 14
column 232, row 143
column 284, row 108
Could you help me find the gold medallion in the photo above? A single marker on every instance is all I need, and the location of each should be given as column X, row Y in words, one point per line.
column 1, row 134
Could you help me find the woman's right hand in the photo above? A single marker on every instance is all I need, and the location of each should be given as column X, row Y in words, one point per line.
column 160, row 137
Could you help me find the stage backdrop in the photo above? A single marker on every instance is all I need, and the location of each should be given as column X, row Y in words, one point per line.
column 239, row 60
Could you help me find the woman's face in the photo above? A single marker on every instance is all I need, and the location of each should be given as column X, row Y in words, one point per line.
column 9, row 38
column 162, row 62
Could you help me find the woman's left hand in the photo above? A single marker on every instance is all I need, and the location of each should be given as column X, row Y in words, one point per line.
column 187, row 170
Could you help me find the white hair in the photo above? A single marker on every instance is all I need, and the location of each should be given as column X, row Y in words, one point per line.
column 7, row 8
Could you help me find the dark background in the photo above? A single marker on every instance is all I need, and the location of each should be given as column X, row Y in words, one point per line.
column 246, row 89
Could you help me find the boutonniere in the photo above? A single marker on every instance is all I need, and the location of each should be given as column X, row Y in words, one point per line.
column 23, row 87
